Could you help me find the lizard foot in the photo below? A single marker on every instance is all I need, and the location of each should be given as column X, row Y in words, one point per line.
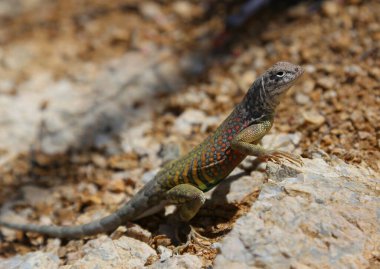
column 277, row 155
column 193, row 236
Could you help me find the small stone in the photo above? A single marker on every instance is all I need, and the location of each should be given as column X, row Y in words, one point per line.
column 341, row 42
column 364, row 135
column 328, row 68
column 313, row 117
column 38, row 197
column 187, row 119
column 309, row 68
column 104, row 252
column 302, row 99
column 137, row 232
column 148, row 176
column 110, row 198
column 184, row 9
column 6, row 86
column 116, row 185
column 33, row 260
column 247, row 79
column 326, row 83
column 375, row 72
column 164, row 252
column 185, row 261
column 151, row 10
column 330, row 8
column 99, row 160
column 308, row 86
column 91, row 199
column 353, row 70
column 357, row 116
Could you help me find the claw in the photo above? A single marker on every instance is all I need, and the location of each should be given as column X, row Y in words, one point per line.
column 193, row 236
column 277, row 155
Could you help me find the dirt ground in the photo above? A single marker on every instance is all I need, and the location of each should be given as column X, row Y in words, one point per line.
column 336, row 107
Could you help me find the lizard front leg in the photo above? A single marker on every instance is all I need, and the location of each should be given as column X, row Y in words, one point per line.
column 246, row 142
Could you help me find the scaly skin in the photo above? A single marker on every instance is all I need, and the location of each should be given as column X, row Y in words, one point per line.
column 183, row 181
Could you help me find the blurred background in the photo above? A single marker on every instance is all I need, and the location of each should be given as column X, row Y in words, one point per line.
column 108, row 83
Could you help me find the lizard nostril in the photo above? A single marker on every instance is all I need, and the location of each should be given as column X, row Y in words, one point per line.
column 297, row 69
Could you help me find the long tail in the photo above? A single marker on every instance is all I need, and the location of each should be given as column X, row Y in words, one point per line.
column 103, row 225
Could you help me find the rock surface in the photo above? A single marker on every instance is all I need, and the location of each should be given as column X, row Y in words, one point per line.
column 320, row 215
column 104, row 252
column 186, row 261
column 33, row 260
column 96, row 111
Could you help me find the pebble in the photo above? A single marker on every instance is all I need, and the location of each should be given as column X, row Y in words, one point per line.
column 353, row 70
column 110, row 198
column 308, row 86
column 184, row 9
column 137, row 232
column 6, row 86
column 313, row 117
column 116, row 185
column 184, row 123
column 326, row 83
column 330, row 8
column 302, row 99
column 164, row 252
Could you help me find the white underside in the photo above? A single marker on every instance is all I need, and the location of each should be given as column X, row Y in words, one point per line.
column 153, row 210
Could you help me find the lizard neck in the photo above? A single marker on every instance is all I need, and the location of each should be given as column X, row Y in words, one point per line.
column 256, row 105
column 258, row 101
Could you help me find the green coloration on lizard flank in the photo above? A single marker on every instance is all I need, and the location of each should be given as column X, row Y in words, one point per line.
column 183, row 181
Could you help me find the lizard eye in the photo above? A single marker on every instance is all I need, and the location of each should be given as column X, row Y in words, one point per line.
column 280, row 74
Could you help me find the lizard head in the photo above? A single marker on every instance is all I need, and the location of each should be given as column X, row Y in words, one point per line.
column 277, row 80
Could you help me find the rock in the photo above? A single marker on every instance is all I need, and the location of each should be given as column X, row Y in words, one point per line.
column 186, row 261
column 325, row 215
column 184, row 123
column 33, row 260
column 110, row 198
column 309, row 68
column 184, row 9
column 308, row 86
column 135, row 231
column 231, row 190
column 302, row 99
column 116, row 185
column 164, row 252
column 313, row 117
column 151, row 10
column 148, row 176
column 104, row 252
column 281, row 141
column 375, row 72
column 326, row 83
column 330, row 8
column 6, row 86
column 247, row 79
column 169, row 152
column 354, row 70
column 94, row 114
column 38, row 197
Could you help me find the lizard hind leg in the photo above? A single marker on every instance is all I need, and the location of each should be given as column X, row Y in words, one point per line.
column 189, row 198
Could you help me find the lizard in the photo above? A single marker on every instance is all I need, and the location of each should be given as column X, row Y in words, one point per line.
column 183, row 181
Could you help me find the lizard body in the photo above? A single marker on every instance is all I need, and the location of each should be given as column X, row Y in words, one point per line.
column 183, row 181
